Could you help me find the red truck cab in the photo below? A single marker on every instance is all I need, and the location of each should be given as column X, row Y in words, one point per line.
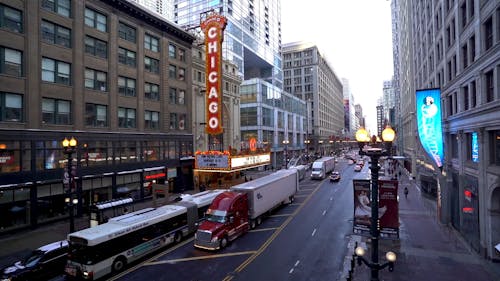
column 226, row 219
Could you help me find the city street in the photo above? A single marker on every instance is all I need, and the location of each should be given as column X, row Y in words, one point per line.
column 302, row 241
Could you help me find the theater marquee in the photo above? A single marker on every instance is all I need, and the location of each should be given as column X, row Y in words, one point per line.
column 213, row 27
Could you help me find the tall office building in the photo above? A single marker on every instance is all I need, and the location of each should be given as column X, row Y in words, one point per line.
column 389, row 102
column 456, row 49
column 349, row 112
column 252, row 38
column 164, row 8
column 309, row 76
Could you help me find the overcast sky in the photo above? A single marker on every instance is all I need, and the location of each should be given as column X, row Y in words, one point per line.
column 354, row 36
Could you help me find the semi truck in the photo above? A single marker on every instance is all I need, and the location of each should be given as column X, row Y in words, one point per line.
column 234, row 212
column 301, row 169
column 321, row 167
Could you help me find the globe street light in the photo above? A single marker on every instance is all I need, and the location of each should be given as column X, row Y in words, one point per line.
column 69, row 180
column 375, row 153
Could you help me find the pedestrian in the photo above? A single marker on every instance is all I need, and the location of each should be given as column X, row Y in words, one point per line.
column 406, row 192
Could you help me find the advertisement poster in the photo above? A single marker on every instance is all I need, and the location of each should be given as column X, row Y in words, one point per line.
column 388, row 208
column 362, row 207
column 430, row 132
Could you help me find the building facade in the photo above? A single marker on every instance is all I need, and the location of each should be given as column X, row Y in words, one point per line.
column 456, row 48
column 349, row 112
column 281, row 129
column 309, row 76
column 164, row 8
column 111, row 75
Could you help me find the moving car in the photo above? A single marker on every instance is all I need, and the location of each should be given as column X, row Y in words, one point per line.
column 42, row 264
column 357, row 168
column 335, row 176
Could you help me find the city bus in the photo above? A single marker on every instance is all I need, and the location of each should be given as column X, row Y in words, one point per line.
column 109, row 247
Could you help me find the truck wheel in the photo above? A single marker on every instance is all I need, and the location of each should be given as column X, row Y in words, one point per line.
column 252, row 224
column 119, row 264
column 259, row 220
column 223, row 242
column 178, row 237
column 291, row 199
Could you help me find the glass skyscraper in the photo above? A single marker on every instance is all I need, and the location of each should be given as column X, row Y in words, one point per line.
column 252, row 39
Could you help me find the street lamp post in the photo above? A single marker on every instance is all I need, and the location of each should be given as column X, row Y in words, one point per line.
column 375, row 153
column 286, row 142
column 320, row 142
column 69, row 180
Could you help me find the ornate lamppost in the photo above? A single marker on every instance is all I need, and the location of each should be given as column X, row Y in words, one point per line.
column 375, row 153
column 69, row 179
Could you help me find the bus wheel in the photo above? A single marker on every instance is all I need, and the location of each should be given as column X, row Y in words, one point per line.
column 223, row 242
column 178, row 237
column 119, row 264
column 259, row 220
column 252, row 224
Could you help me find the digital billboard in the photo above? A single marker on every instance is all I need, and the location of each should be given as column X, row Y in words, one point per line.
column 429, row 123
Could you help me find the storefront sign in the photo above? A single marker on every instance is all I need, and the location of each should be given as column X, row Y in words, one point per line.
column 212, row 161
column 213, row 27
column 171, row 173
column 155, row 176
column 249, row 160
column 475, row 148
column 428, row 103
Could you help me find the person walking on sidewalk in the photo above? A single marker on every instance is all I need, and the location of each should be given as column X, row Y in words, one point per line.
column 406, row 192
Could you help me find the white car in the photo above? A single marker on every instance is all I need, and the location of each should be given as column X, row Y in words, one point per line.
column 357, row 168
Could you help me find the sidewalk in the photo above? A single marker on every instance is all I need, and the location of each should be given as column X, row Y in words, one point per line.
column 427, row 250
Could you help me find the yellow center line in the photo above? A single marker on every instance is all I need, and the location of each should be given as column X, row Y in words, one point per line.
column 270, row 239
column 280, row 215
column 200, row 258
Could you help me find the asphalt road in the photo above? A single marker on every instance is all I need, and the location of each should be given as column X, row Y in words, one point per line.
column 305, row 240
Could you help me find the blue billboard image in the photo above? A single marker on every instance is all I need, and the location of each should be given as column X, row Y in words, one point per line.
column 475, row 148
column 430, row 131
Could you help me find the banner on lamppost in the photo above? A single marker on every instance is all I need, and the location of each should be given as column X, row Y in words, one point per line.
column 362, row 207
column 388, row 208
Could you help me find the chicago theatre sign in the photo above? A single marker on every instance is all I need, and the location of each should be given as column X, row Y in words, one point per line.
column 213, row 27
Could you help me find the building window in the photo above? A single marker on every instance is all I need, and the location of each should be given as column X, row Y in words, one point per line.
column 454, row 146
column 126, row 32
column 151, row 65
column 172, row 51
column 177, row 121
column 126, row 57
column 152, row 91
column 151, row 119
column 465, row 91
column 56, row 34
column 172, row 96
column 182, row 74
column 56, row 71
column 95, row 20
column 11, row 19
column 96, row 115
column 465, row 60
column 182, row 55
column 126, row 86
column 473, row 94
column 11, row 62
column 62, row 7
column 172, row 71
column 96, row 80
column 490, row 87
column 151, row 43
column 11, row 107
column 96, row 47
column 494, row 148
column 488, row 34
column 472, row 49
column 56, row 111
column 126, row 117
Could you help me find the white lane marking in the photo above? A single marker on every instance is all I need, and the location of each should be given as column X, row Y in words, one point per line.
column 291, row 271
column 314, row 232
column 324, row 212
column 297, row 263
column 331, row 198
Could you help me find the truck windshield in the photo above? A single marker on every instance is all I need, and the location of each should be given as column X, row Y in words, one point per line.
column 216, row 218
column 316, row 169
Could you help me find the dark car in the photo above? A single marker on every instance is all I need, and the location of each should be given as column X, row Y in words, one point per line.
column 335, row 176
column 42, row 264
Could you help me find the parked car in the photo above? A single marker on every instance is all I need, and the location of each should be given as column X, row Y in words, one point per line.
column 335, row 176
column 357, row 168
column 43, row 263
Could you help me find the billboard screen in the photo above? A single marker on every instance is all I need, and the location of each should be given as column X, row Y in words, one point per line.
column 430, row 132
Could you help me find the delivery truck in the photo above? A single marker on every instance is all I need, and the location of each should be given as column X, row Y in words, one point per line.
column 234, row 212
column 321, row 167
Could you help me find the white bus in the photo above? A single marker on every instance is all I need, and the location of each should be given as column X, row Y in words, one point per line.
column 109, row 247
